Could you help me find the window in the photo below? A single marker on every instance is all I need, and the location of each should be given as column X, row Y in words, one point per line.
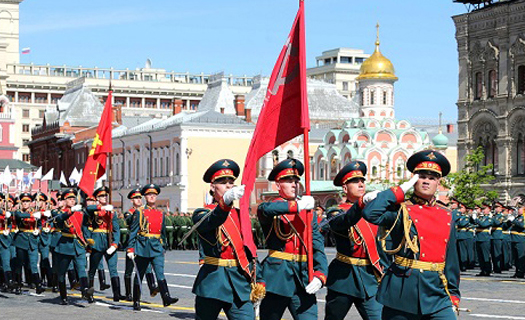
column 25, row 141
column 478, row 86
column 384, row 97
column 521, row 80
column 520, row 155
column 346, row 59
column 359, row 60
column 25, row 113
column 25, row 157
column 345, row 86
column 374, row 171
column 372, row 100
column 41, row 114
column 327, row 61
column 492, row 83
column 25, row 128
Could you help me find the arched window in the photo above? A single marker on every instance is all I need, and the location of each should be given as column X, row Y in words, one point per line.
column 521, row 80
column 478, row 86
column 177, row 164
column 372, row 96
column 374, row 171
column 492, row 84
column 384, row 97
column 520, row 155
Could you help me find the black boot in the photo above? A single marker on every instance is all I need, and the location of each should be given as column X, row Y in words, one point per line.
column 54, row 281
column 115, row 286
column 91, row 283
column 127, row 285
column 102, row 280
column 153, row 289
column 63, row 293
column 38, row 285
column 73, row 281
column 28, row 278
column 136, row 295
column 43, row 276
column 165, row 294
column 9, row 280
column 18, row 284
column 87, row 292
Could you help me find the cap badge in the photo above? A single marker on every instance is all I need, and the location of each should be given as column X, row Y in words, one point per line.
column 225, row 163
column 431, row 156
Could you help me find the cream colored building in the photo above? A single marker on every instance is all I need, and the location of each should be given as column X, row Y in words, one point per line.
column 147, row 92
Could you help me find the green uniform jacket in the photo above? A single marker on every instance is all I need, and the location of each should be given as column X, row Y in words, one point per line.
column 462, row 224
column 5, row 241
column 69, row 246
column 517, row 225
column 497, row 226
column 102, row 239
column 352, row 280
column 26, row 240
column 217, row 282
column 147, row 247
column 483, row 224
column 281, row 275
column 404, row 288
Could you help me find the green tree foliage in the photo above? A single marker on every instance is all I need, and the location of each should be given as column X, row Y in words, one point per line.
column 466, row 184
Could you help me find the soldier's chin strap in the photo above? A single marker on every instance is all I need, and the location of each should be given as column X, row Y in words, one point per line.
column 406, row 241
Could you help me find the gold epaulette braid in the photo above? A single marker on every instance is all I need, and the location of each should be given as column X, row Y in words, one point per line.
column 407, row 241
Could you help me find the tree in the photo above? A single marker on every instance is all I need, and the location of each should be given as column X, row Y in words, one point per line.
column 466, row 184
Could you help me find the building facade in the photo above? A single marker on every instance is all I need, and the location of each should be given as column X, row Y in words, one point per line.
column 491, row 99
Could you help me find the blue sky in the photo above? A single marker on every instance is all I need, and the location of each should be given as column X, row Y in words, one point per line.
column 245, row 37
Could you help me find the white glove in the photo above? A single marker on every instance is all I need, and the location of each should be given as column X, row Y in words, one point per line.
column 474, row 216
column 47, row 213
column 314, row 286
column 234, row 193
column 306, row 203
column 76, row 207
column 8, row 214
column 405, row 186
column 46, row 229
column 370, row 196
column 37, row 215
column 511, row 218
column 6, row 232
column 36, row 232
column 111, row 250
column 490, row 215
column 131, row 255
column 107, row 207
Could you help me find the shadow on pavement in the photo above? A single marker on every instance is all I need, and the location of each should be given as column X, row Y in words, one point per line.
column 182, row 315
column 56, row 301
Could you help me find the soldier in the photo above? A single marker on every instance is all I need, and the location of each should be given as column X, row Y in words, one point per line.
column 483, row 226
column 471, row 240
column 354, row 273
column 26, row 241
column 507, row 244
column 45, row 237
column 146, row 245
column 106, row 235
column 285, row 269
column 5, row 248
column 54, row 237
column 72, row 246
column 423, row 281
column 463, row 234
column 497, row 238
column 517, row 234
column 136, row 199
column 228, row 268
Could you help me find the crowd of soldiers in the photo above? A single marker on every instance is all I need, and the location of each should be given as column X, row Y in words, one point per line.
column 399, row 253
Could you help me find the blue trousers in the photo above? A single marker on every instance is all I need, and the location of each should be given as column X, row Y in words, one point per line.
column 338, row 305
column 393, row 314
column 302, row 306
column 5, row 255
column 64, row 261
column 209, row 309
column 497, row 255
column 95, row 260
column 26, row 257
column 158, row 266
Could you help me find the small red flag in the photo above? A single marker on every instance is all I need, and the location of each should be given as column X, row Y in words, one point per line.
column 102, row 145
column 284, row 114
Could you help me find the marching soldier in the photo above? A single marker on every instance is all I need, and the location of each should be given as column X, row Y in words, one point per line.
column 463, row 234
column 507, row 244
column 45, row 238
column 225, row 280
column 26, row 241
column 5, row 248
column 285, row 269
column 72, row 246
column 483, row 226
column 136, row 199
column 517, row 236
column 354, row 273
column 423, row 281
column 106, row 236
column 497, row 238
column 146, row 245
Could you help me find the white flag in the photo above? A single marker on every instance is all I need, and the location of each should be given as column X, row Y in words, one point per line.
column 73, row 177
column 7, row 177
column 19, row 174
column 63, row 178
column 38, row 174
column 49, row 175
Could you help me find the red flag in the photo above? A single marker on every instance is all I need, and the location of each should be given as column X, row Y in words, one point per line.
column 284, row 114
column 102, row 145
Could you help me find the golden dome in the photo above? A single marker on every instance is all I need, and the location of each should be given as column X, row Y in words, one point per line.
column 377, row 66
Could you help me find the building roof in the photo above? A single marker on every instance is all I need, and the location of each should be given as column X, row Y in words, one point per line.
column 80, row 107
column 324, row 101
column 218, row 96
column 15, row 164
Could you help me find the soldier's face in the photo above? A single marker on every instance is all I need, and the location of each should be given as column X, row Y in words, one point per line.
column 454, row 205
column 71, row 201
column 288, row 187
column 25, row 204
column 151, row 198
column 426, row 185
column 220, row 186
column 462, row 209
column 486, row 210
column 137, row 201
column 498, row 208
column 103, row 200
column 354, row 188
column 61, row 203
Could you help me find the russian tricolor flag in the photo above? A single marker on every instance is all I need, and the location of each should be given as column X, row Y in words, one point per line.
column 26, row 50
